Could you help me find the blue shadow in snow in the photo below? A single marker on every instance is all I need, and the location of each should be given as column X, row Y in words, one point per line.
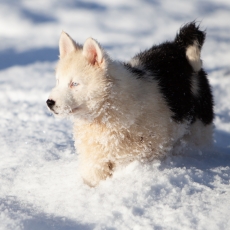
column 36, row 17
column 87, row 5
column 40, row 220
column 10, row 57
column 205, row 7
column 53, row 223
column 222, row 140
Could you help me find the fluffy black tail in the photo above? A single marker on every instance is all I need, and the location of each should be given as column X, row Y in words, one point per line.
column 190, row 34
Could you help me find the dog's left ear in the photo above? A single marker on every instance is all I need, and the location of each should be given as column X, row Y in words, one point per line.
column 94, row 53
column 67, row 45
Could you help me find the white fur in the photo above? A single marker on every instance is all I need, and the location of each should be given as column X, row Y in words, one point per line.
column 195, row 84
column 117, row 118
column 193, row 56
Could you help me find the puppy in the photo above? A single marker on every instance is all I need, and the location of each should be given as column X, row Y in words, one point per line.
column 137, row 110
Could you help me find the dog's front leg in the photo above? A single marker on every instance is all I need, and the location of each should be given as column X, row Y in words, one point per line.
column 95, row 170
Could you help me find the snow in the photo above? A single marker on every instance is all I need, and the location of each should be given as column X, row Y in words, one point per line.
column 40, row 187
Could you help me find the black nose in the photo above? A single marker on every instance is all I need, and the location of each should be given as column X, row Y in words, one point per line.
column 50, row 103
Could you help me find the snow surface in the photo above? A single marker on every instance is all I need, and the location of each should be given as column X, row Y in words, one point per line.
column 40, row 187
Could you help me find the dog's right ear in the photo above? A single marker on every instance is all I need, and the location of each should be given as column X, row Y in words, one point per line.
column 94, row 53
column 66, row 45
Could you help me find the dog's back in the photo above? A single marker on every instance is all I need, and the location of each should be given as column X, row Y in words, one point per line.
column 177, row 68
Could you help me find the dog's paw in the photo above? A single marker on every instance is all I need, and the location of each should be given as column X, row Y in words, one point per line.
column 95, row 172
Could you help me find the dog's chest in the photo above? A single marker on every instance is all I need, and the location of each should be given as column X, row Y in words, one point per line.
column 98, row 141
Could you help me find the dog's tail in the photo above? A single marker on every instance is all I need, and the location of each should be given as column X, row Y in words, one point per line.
column 191, row 38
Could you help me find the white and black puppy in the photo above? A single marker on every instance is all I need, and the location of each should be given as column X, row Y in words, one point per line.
column 139, row 110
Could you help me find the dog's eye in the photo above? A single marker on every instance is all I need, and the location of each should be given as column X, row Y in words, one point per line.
column 73, row 84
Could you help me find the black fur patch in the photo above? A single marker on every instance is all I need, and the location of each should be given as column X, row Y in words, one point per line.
column 169, row 66
column 204, row 100
column 138, row 72
column 190, row 33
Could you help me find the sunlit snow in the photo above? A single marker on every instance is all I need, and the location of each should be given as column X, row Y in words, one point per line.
column 40, row 186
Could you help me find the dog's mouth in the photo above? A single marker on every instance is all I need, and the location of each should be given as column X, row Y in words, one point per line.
column 65, row 111
column 53, row 111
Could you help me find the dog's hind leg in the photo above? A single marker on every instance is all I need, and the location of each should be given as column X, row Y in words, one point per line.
column 200, row 135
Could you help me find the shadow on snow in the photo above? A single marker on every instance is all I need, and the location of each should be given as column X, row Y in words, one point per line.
column 10, row 57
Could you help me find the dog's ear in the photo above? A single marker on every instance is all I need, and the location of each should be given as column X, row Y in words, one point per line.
column 66, row 44
column 94, row 52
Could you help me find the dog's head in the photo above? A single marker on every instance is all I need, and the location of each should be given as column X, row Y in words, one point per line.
column 81, row 78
